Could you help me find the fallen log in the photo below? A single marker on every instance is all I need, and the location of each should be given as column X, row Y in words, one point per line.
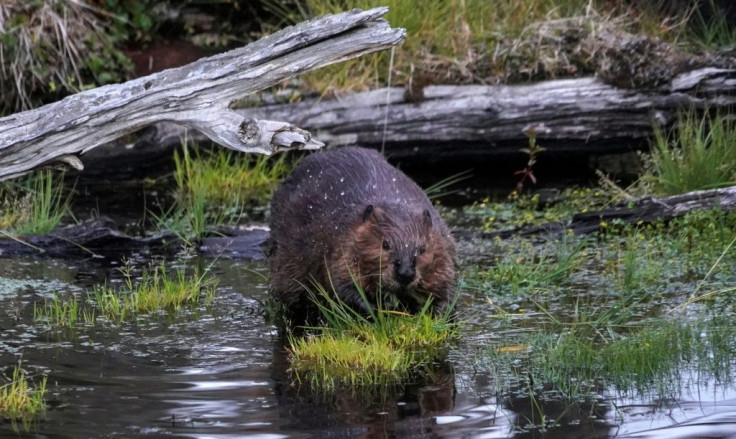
column 581, row 115
column 101, row 238
column 196, row 95
column 649, row 209
column 91, row 239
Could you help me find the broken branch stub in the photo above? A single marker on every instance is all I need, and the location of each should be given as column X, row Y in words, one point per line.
column 196, row 96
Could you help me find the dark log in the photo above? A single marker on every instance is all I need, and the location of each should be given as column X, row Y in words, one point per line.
column 101, row 238
column 90, row 239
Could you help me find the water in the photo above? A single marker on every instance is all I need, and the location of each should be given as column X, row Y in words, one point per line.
column 222, row 373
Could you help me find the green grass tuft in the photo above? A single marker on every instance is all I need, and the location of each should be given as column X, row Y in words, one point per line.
column 218, row 187
column 375, row 352
column 697, row 154
column 157, row 290
column 21, row 401
column 35, row 206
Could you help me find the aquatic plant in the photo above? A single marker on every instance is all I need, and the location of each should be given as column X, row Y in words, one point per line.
column 20, row 401
column 527, row 268
column 520, row 209
column 65, row 313
column 356, row 352
column 34, row 206
column 697, row 154
column 652, row 357
column 608, row 325
column 156, row 290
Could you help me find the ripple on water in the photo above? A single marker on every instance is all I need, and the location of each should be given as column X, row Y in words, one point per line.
column 220, row 373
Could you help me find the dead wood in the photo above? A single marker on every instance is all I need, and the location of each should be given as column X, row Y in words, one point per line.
column 196, row 95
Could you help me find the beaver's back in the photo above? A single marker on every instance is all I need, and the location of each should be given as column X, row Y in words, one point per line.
column 324, row 197
column 327, row 184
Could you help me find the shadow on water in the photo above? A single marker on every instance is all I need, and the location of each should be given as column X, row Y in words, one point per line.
column 222, row 373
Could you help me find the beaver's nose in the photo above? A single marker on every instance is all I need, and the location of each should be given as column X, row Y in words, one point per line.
column 405, row 273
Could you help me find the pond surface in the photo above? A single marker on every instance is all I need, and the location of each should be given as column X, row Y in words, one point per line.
column 221, row 373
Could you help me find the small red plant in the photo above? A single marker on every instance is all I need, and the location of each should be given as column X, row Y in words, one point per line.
column 533, row 152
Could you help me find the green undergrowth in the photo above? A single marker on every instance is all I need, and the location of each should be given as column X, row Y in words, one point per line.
column 33, row 205
column 477, row 41
column 219, row 187
column 21, row 400
column 157, row 290
column 646, row 260
column 367, row 353
column 627, row 309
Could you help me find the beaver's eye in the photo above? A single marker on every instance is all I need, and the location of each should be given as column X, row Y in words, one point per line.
column 421, row 250
column 385, row 245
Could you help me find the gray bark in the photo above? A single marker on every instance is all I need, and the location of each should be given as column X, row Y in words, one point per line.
column 196, row 96
column 581, row 115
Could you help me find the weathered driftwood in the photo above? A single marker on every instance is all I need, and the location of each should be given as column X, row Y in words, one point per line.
column 196, row 95
column 640, row 211
column 582, row 115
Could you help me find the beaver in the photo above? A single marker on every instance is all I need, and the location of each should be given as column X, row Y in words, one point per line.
column 346, row 217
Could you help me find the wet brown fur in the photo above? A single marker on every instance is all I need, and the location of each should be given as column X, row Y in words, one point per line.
column 345, row 217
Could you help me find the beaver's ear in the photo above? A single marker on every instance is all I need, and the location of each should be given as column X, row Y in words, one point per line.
column 367, row 212
column 427, row 219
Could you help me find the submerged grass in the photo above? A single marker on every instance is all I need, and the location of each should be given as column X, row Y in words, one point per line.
column 34, row 206
column 19, row 401
column 366, row 353
column 218, row 187
column 156, row 290
column 63, row 313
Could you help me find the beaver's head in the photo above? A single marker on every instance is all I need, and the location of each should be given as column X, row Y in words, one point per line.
column 395, row 251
